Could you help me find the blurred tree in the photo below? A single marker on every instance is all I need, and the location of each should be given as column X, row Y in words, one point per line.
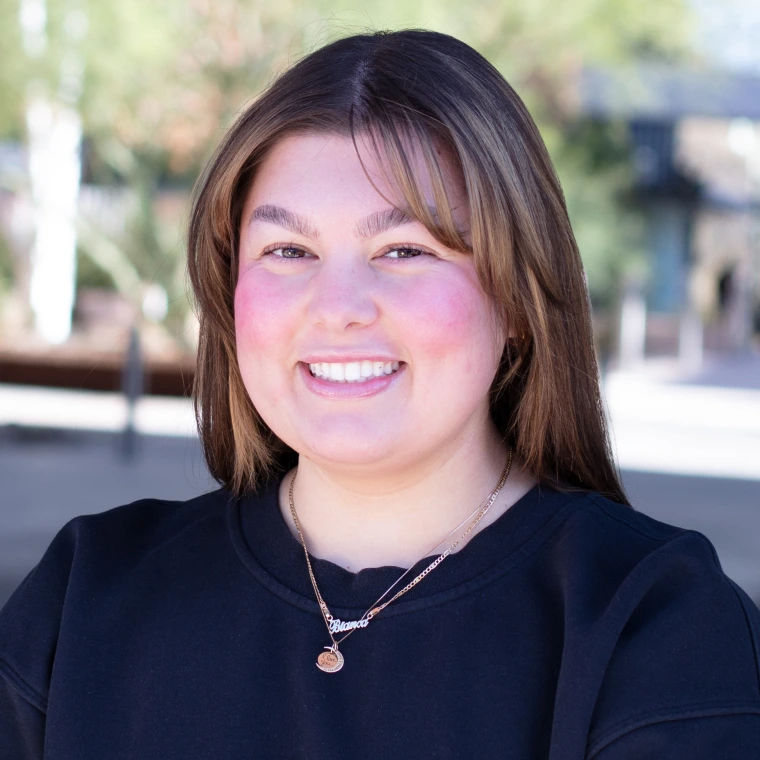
column 6, row 266
column 163, row 80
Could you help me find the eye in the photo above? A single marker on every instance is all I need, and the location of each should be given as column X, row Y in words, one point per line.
column 408, row 251
column 281, row 251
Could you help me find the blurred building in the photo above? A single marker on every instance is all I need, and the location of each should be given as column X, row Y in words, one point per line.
column 696, row 154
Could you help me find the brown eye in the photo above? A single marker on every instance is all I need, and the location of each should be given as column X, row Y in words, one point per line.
column 285, row 252
column 407, row 251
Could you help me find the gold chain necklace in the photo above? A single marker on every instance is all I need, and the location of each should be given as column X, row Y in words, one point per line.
column 332, row 660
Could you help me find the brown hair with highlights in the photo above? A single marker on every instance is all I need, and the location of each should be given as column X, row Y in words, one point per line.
column 392, row 86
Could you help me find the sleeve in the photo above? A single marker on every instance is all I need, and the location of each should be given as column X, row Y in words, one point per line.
column 29, row 627
column 683, row 680
column 715, row 737
column 22, row 718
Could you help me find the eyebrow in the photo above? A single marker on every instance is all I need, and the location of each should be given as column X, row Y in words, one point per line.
column 371, row 226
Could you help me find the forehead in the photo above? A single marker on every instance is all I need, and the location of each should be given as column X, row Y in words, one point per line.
column 318, row 170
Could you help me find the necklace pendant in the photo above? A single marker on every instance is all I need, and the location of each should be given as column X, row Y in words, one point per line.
column 330, row 661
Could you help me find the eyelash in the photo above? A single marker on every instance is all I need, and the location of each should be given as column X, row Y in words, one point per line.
column 281, row 247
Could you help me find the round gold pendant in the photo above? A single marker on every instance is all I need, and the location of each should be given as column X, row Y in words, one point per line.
column 330, row 661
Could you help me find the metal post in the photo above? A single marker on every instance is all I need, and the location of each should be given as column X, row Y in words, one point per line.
column 132, row 386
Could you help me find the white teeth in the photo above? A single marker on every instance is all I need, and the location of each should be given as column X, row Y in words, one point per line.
column 352, row 372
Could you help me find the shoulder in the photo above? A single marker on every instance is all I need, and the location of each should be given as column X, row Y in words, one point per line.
column 621, row 554
column 669, row 636
column 87, row 559
column 146, row 520
column 659, row 579
column 123, row 536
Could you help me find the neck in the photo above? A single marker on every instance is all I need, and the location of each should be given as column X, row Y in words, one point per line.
column 395, row 518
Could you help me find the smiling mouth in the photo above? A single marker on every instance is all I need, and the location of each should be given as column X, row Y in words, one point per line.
column 352, row 372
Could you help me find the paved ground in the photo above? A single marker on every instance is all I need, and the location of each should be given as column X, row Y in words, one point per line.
column 49, row 476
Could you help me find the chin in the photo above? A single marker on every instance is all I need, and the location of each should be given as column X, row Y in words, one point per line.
column 349, row 450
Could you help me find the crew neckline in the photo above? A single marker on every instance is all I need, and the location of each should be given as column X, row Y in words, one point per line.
column 275, row 557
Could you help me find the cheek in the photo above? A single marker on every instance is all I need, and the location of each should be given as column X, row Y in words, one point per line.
column 262, row 310
column 264, row 322
column 450, row 321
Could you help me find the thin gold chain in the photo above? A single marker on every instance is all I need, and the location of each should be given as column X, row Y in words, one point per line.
column 374, row 609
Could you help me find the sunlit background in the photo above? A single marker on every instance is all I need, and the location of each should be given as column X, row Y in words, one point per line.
column 108, row 110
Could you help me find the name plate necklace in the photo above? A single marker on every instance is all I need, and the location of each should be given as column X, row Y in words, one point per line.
column 332, row 660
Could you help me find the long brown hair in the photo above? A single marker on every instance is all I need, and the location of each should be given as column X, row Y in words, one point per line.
column 391, row 86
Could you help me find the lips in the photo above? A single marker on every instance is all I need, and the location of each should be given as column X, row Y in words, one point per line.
column 328, row 388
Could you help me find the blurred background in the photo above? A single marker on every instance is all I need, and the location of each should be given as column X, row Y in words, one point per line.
column 650, row 110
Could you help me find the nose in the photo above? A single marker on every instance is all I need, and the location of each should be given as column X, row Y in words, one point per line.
column 342, row 295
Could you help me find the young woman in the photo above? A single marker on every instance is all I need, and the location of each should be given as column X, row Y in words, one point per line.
column 420, row 547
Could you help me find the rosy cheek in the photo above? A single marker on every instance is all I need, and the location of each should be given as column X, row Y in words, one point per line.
column 262, row 309
column 444, row 318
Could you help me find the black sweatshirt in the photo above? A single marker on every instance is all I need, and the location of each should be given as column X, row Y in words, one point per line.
column 571, row 627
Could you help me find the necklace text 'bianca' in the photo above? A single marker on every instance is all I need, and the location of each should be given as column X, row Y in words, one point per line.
column 338, row 626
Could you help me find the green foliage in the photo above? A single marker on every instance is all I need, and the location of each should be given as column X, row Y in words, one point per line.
column 593, row 166
column 13, row 72
column 90, row 274
column 6, row 266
